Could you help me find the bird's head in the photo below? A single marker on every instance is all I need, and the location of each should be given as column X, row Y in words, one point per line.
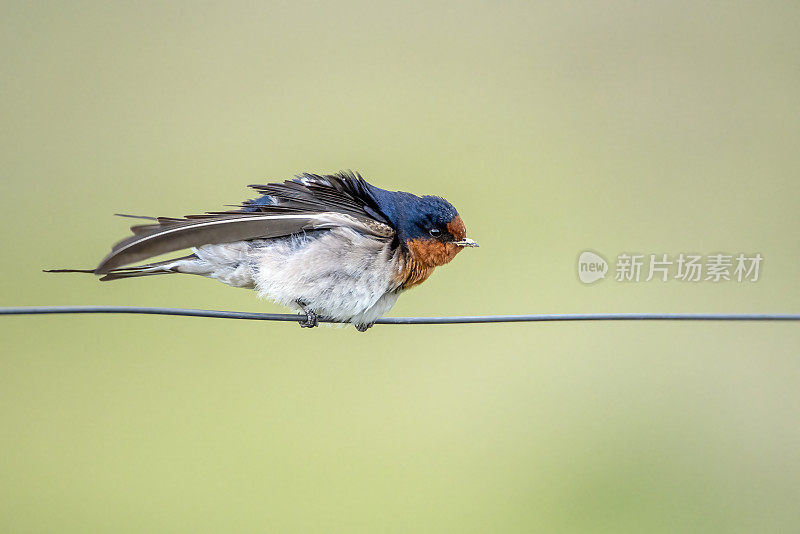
column 428, row 227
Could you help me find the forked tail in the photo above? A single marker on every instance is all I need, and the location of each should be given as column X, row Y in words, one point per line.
column 135, row 271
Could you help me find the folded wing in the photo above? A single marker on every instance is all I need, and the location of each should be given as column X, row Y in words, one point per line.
column 310, row 202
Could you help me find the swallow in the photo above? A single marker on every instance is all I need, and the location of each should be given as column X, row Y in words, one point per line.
column 331, row 247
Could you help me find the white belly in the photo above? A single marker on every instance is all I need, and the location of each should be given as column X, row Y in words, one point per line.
column 340, row 274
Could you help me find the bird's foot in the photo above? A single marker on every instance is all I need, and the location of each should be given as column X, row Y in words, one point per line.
column 311, row 319
column 364, row 327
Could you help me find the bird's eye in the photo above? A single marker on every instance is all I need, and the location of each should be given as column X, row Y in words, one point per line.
column 435, row 232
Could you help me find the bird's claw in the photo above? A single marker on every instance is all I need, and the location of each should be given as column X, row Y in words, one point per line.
column 311, row 319
column 364, row 327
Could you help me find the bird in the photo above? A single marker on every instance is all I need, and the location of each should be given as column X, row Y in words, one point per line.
column 331, row 247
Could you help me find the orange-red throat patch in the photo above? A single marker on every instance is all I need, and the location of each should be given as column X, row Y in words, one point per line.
column 424, row 255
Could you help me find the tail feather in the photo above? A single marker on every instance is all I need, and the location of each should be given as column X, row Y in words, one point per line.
column 149, row 269
column 133, row 274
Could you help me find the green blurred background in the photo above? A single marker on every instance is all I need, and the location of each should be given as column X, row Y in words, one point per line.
column 553, row 127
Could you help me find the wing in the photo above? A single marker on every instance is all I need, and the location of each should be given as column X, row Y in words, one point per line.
column 310, row 202
column 345, row 192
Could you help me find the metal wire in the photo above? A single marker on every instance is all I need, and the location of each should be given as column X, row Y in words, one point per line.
column 468, row 319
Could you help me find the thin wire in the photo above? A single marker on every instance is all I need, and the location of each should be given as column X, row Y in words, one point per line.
column 467, row 319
